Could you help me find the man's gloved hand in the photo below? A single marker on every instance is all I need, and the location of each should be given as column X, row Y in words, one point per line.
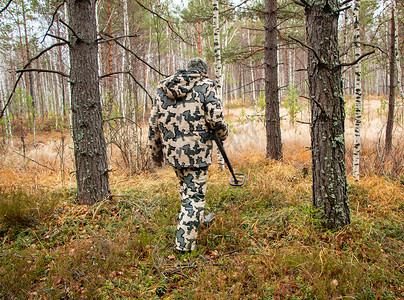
column 222, row 131
column 158, row 160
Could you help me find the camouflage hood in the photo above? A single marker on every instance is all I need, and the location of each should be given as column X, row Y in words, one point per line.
column 179, row 85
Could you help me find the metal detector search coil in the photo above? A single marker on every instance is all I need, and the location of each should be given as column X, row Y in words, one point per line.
column 237, row 179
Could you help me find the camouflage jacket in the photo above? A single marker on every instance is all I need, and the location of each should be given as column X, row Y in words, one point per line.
column 185, row 111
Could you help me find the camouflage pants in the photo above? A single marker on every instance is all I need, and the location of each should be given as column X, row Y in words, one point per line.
column 192, row 192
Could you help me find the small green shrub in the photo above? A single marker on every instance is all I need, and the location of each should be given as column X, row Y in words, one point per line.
column 21, row 208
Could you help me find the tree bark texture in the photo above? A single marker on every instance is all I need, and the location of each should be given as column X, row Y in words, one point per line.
column 272, row 119
column 398, row 54
column 218, row 65
column 358, row 93
column 392, row 94
column 88, row 136
column 327, row 121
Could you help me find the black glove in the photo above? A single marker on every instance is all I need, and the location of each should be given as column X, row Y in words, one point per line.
column 158, row 160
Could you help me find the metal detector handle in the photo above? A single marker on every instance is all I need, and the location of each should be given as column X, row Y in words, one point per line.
column 223, row 152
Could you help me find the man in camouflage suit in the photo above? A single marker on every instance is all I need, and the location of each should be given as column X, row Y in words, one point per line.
column 185, row 112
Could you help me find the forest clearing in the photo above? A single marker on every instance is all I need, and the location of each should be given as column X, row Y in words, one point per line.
column 264, row 244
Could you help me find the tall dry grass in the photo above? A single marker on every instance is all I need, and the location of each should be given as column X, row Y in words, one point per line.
column 51, row 161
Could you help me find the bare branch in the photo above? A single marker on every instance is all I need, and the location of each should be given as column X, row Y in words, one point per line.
column 131, row 75
column 321, row 107
column 303, row 3
column 134, row 54
column 71, row 29
column 373, row 46
column 307, row 46
column 53, row 19
column 254, row 52
column 43, row 71
column 20, row 75
column 344, row 8
column 234, row 7
column 137, row 82
column 298, row 3
column 356, row 60
column 305, row 123
column 101, row 40
column 318, row 104
column 58, row 38
column 5, row 7
column 43, row 52
column 345, row 2
column 113, row 73
column 165, row 20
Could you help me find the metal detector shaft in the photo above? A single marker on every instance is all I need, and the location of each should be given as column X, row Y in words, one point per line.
column 223, row 152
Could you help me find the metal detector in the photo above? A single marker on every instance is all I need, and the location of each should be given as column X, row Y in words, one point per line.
column 237, row 179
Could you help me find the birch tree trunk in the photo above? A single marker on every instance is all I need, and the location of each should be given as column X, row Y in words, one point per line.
column 124, row 58
column 358, row 93
column 88, row 136
column 272, row 119
column 218, row 64
column 252, row 77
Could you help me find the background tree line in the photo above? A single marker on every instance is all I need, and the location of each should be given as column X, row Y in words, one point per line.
column 162, row 36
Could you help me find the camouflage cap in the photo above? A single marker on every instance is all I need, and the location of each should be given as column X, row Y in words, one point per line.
column 197, row 64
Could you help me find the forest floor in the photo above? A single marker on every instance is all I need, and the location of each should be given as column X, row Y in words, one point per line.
column 264, row 243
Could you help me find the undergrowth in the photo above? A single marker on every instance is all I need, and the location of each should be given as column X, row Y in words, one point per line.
column 264, row 243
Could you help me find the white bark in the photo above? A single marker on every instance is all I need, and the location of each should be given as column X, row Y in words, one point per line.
column 124, row 58
column 218, row 64
column 252, row 76
column 358, row 93
column 7, row 117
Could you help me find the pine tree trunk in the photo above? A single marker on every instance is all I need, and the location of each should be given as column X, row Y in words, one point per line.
column 392, row 95
column 330, row 196
column 272, row 123
column 88, row 136
column 358, row 93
